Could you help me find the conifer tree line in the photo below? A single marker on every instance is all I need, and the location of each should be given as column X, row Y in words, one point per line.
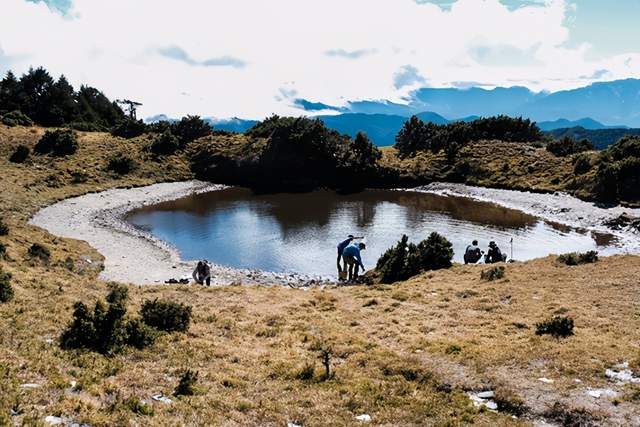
column 50, row 102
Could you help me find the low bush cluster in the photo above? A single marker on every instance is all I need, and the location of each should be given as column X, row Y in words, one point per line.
column 557, row 326
column 58, row 143
column 166, row 316
column 568, row 146
column 129, row 128
column 273, row 161
column 16, row 118
column 6, row 290
column 4, row 229
column 108, row 329
column 87, row 127
column 494, row 273
column 406, row 259
column 618, row 175
column 39, row 252
column 417, row 135
column 187, row 384
column 582, row 164
column 121, row 164
column 20, row 154
column 164, row 144
column 575, row 258
column 3, row 251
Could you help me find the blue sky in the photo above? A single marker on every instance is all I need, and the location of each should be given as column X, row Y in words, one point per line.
column 251, row 58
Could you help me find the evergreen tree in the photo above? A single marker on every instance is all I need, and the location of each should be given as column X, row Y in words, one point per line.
column 9, row 93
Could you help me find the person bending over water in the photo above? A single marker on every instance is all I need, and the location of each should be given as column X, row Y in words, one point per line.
column 473, row 253
column 341, row 246
column 353, row 260
column 202, row 273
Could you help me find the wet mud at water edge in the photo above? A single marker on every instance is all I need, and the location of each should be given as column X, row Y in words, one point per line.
column 299, row 232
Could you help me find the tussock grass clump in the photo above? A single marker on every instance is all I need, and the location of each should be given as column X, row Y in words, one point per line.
column 166, row 316
column 187, row 384
column 20, row 154
column 40, row 252
column 494, row 273
column 6, row 290
column 106, row 330
column 306, row 373
column 571, row 416
column 406, row 260
column 557, row 326
column 121, row 164
column 58, row 143
column 4, row 229
column 576, row 258
column 139, row 407
column 508, row 401
column 3, row 251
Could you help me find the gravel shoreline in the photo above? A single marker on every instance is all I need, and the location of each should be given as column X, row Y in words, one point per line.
column 558, row 207
column 99, row 219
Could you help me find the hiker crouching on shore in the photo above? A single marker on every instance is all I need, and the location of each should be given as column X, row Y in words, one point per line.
column 494, row 255
column 341, row 247
column 352, row 259
column 202, row 273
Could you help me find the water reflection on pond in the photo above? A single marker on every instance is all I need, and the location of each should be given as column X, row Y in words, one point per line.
column 299, row 232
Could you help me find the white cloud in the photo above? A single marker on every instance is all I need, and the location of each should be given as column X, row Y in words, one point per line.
column 234, row 57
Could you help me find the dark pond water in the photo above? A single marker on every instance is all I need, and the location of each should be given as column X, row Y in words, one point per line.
column 299, row 232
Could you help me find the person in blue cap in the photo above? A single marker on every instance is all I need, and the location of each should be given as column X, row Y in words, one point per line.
column 353, row 260
column 341, row 246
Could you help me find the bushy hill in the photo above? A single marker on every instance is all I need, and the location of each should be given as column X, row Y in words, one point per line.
column 600, row 138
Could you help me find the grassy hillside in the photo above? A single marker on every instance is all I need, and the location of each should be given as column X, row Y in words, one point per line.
column 405, row 353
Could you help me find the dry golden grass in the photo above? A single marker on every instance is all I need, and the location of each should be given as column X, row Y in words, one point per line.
column 403, row 353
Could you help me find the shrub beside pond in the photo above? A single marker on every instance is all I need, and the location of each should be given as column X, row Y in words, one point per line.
column 58, row 143
column 494, row 273
column 406, row 259
column 576, row 258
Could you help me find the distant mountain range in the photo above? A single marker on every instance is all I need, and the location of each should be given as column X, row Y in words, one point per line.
column 616, row 102
column 587, row 108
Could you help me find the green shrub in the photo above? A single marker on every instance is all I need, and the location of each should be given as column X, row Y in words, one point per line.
column 6, row 290
column 557, row 326
column 582, row 164
column 139, row 407
column 106, row 330
column 575, row 258
column 38, row 251
column 186, row 386
column 190, row 128
column 406, row 260
column 494, row 273
column 306, row 373
column 20, row 154
column 166, row 315
column 567, row 146
column 139, row 334
column 121, row 164
column 4, row 230
column 129, row 128
column 164, row 144
column 86, row 127
column 16, row 118
column 58, row 143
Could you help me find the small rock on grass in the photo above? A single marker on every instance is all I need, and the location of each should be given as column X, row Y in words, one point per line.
column 365, row 418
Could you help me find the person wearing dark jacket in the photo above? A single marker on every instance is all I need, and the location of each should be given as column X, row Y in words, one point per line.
column 202, row 273
column 495, row 254
column 473, row 253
